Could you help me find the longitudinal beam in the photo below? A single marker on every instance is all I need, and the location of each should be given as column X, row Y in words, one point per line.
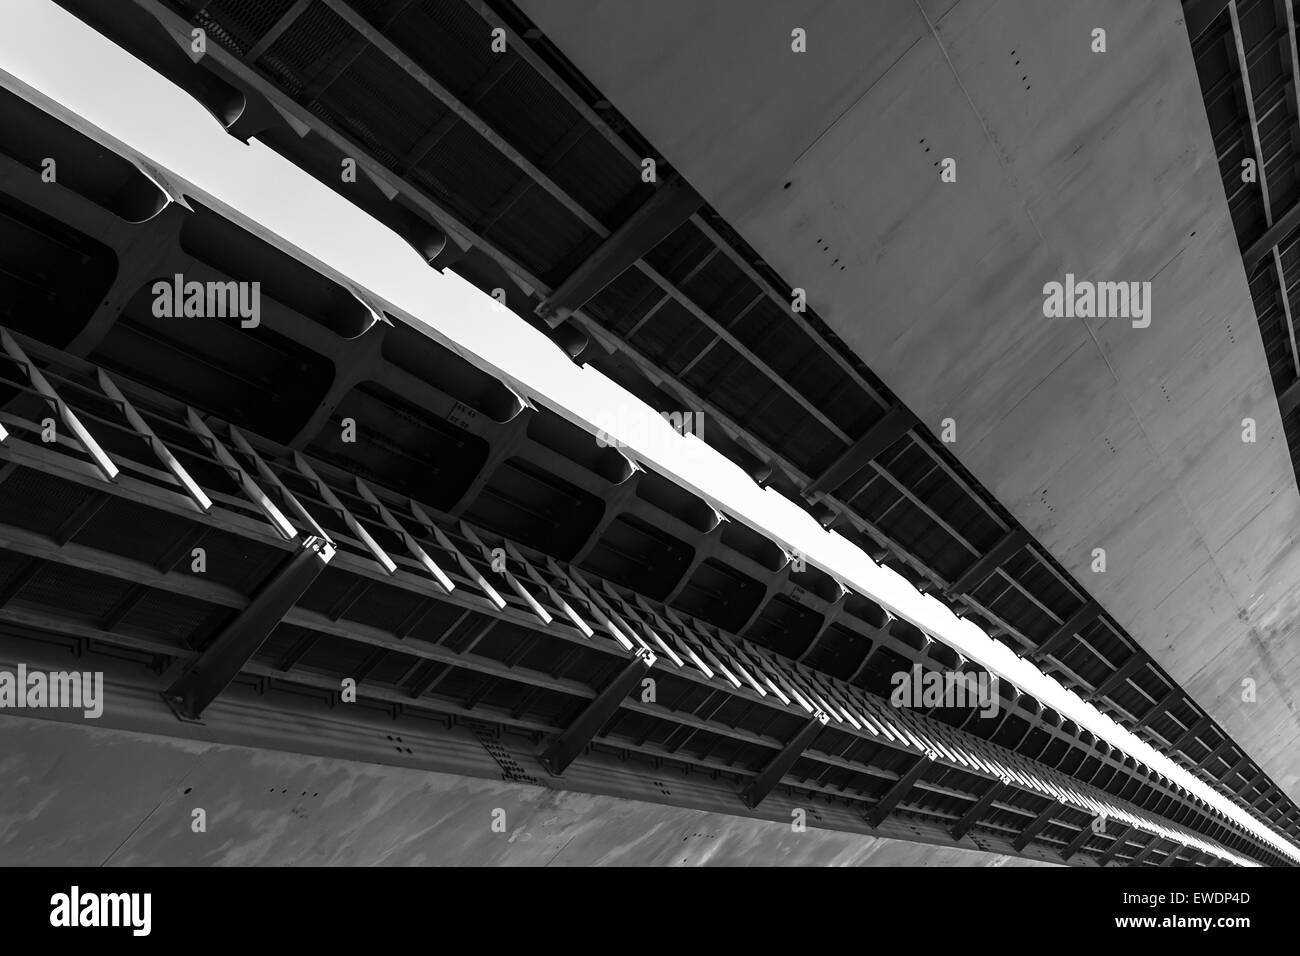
column 777, row 767
column 222, row 659
column 574, row 739
column 1158, row 708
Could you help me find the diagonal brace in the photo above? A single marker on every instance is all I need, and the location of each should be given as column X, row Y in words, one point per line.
column 976, row 812
column 1086, row 832
column 574, row 739
column 1036, row 826
column 776, row 768
column 222, row 659
column 899, row 790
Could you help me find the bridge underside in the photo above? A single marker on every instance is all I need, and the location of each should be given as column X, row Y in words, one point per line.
column 679, row 295
column 181, row 507
column 1093, row 434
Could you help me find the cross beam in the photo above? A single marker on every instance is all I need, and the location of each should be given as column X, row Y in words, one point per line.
column 1192, row 732
column 978, row 572
column 667, row 208
column 1283, row 226
column 1118, row 676
column 895, row 423
column 1070, row 626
